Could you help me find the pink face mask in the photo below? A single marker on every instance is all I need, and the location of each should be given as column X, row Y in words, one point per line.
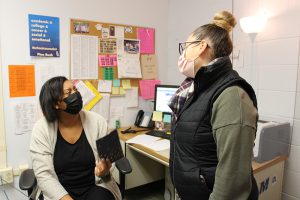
column 186, row 66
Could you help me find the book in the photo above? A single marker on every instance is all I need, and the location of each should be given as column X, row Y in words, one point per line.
column 109, row 147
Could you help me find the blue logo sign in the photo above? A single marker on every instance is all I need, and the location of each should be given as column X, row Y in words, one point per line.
column 264, row 186
column 44, row 36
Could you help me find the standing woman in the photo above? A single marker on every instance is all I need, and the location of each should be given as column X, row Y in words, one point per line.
column 215, row 119
column 63, row 147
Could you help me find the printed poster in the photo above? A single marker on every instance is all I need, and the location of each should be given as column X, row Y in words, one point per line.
column 21, row 80
column 44, row 36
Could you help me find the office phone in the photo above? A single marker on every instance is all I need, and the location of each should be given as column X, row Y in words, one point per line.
column 144, row 119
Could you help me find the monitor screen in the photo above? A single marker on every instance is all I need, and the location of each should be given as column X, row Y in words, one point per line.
column 163, row 94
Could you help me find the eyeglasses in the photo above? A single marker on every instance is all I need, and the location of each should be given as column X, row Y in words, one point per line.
column 184, row 45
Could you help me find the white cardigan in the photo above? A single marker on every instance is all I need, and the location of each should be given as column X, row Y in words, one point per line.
column 42, row 145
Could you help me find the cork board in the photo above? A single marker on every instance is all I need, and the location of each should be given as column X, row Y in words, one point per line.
column 95, row 28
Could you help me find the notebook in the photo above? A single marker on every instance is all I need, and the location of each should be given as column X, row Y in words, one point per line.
column 109, row 147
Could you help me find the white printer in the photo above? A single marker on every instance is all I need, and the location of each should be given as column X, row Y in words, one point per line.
column 272, row 139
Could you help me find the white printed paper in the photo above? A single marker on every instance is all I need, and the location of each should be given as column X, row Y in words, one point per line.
column 102, row 107
column 119, row 32
column 151, row 142
column 158, row 145
column 120, row 45
column 129, row 66
column 25, row 115
column 131, row 97
column 128, row 58
column 105, row 32
column 104, row 86
column 117, row 111
column 45, row 72
column 142, row 139
column 84, row 57
column 86, row 93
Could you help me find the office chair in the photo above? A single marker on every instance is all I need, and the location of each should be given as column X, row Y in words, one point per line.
column 28, row 181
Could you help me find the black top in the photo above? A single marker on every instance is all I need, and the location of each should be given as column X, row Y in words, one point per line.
column 74, row 165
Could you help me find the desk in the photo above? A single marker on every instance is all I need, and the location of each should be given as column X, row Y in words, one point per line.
column 268, row 175
column 145, row 169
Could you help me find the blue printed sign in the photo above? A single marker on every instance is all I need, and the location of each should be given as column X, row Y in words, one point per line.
column 44, row 36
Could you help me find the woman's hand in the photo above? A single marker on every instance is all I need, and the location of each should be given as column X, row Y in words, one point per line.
column 67, row 197
column 102, row 167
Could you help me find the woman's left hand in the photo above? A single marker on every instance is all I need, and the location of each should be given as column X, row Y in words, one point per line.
column 102, row 167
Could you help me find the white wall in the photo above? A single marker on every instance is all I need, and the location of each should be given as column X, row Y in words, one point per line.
column 184, row 18
column 271, row 63
column 2, row 133
column 15, row 46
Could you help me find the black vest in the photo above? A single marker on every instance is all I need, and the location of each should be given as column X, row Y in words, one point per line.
column 193, row 149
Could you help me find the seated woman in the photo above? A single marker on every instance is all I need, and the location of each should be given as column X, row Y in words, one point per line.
column 63, row 147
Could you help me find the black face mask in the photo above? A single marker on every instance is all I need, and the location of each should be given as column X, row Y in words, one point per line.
column 74, row 103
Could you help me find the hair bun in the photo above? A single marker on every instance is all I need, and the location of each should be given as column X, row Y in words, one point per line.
column 225, row 20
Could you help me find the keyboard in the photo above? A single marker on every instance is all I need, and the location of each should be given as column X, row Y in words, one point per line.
column 157, row 133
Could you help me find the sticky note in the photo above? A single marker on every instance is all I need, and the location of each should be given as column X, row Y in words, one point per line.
column 122, row 91
column 115, row 90
column 167, row 118
column 126, row 84
column 104, row 85
column 108, row 73
column 157, row 116
column 147, row 88
column 116, row 82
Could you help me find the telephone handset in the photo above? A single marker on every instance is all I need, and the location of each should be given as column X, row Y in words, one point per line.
column 139, row 117
column 144, row 119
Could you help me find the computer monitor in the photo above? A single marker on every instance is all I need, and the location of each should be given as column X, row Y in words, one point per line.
column 163, row 94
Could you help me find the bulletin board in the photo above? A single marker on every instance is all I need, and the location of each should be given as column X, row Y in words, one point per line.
column 94, row 28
